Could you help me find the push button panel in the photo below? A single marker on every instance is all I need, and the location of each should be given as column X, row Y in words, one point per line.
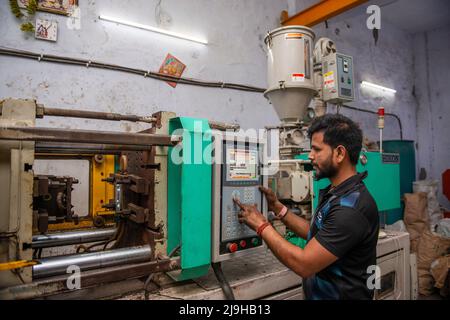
column 241, row 179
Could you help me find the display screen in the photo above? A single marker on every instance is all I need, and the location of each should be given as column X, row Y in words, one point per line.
column 242, row 164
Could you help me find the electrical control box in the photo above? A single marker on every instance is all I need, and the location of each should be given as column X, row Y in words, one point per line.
column 338, row 78
column 237, row 173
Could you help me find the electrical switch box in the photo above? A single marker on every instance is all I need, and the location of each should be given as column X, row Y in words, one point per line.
column 338, row 78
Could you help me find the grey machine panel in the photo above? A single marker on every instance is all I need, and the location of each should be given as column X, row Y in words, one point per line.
column 338, row 86
column 237, row 173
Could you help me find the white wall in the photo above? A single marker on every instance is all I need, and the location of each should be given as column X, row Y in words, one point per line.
column 432, row 52
column 235, row 31
column 389, row 63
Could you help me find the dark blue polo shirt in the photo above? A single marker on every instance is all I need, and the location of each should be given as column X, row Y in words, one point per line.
column 346, row 223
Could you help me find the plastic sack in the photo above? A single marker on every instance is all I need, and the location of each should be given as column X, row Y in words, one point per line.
column 397, row 226
column 431, row 246
column 443, row 227
column 430, row 187
column 415, row 216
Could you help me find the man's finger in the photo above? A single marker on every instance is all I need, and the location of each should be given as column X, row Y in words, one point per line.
column 240, row 205
column 266, row 191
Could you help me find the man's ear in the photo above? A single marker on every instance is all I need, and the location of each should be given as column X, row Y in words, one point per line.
column 340, row 153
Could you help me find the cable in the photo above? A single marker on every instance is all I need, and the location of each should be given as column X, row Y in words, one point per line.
column 150, row 277
column 226, row 288
column 150, row 74
column 373, row 112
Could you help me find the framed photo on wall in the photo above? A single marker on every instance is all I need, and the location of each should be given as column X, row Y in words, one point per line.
column 63, row 7
column 173, row 67
column 46, row 30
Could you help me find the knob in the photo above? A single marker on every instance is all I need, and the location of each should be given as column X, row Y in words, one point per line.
column 243, row 244
column 232, row 247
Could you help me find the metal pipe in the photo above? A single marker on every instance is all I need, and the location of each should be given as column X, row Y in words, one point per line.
column 53, row 266
column 299, row 161
column 223, row 126
column 85, row 136
column 80, row 148
column 93, row 115
column 67, row 238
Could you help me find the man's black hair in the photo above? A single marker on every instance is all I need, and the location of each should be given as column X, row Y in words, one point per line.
column 339, row 130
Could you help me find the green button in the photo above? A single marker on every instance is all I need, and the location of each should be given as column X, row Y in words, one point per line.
column 255, row 241
column 349, row 81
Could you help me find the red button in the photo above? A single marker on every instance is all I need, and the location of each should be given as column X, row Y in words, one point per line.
column 232, row 247
column 243, row 243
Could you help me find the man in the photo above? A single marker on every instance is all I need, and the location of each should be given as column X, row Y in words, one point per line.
column 342, row 238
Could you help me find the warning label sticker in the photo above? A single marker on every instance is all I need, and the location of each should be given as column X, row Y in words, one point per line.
column 293, row 35
column 298, row 77
column 328, row 80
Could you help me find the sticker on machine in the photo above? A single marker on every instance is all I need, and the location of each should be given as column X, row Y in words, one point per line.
column 293, row 36
column 328, row 80
column 298, row 77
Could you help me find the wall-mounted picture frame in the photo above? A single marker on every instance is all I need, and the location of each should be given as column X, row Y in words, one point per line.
column 46, row 30
column 173, row 67
column 63, row 7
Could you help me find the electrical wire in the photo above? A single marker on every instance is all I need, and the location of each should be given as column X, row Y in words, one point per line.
column 150, row 277
column 373, row 112
column 147, row 74
column 226, row 288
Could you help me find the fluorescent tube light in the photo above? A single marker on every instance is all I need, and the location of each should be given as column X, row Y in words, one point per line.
column 376, row 86
column 150, row 28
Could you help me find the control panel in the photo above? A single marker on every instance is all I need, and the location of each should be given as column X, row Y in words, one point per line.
column 237, row 174
column 338, row 81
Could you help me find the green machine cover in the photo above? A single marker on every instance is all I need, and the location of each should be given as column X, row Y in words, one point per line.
column 189, row 197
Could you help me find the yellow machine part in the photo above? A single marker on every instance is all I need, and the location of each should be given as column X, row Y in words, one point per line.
column 17, row 264
column 101, row 191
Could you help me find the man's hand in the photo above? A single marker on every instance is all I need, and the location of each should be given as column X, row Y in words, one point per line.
column 250, row 215
column 273, row 203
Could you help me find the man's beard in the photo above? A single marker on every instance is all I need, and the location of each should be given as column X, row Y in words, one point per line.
column 327, row 170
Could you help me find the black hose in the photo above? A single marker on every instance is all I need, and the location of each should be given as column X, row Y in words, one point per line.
column 150, row 277
column 373, row 112
column 148, row 74
column 226, row 288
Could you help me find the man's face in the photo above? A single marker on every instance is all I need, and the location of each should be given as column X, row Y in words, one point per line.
column 321, row 156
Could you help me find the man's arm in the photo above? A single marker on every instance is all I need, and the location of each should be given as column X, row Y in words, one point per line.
column 304, row 262
column 295, row 223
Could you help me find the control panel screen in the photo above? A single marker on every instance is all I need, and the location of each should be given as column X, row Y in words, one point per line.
column 242, row 164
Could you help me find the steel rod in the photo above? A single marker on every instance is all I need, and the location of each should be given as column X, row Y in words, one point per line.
column 223, row 126
column 68, row 238
column 299, row 161
column 85, row 136
column 95, row 115
column 53, row 266
column 79, row 148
